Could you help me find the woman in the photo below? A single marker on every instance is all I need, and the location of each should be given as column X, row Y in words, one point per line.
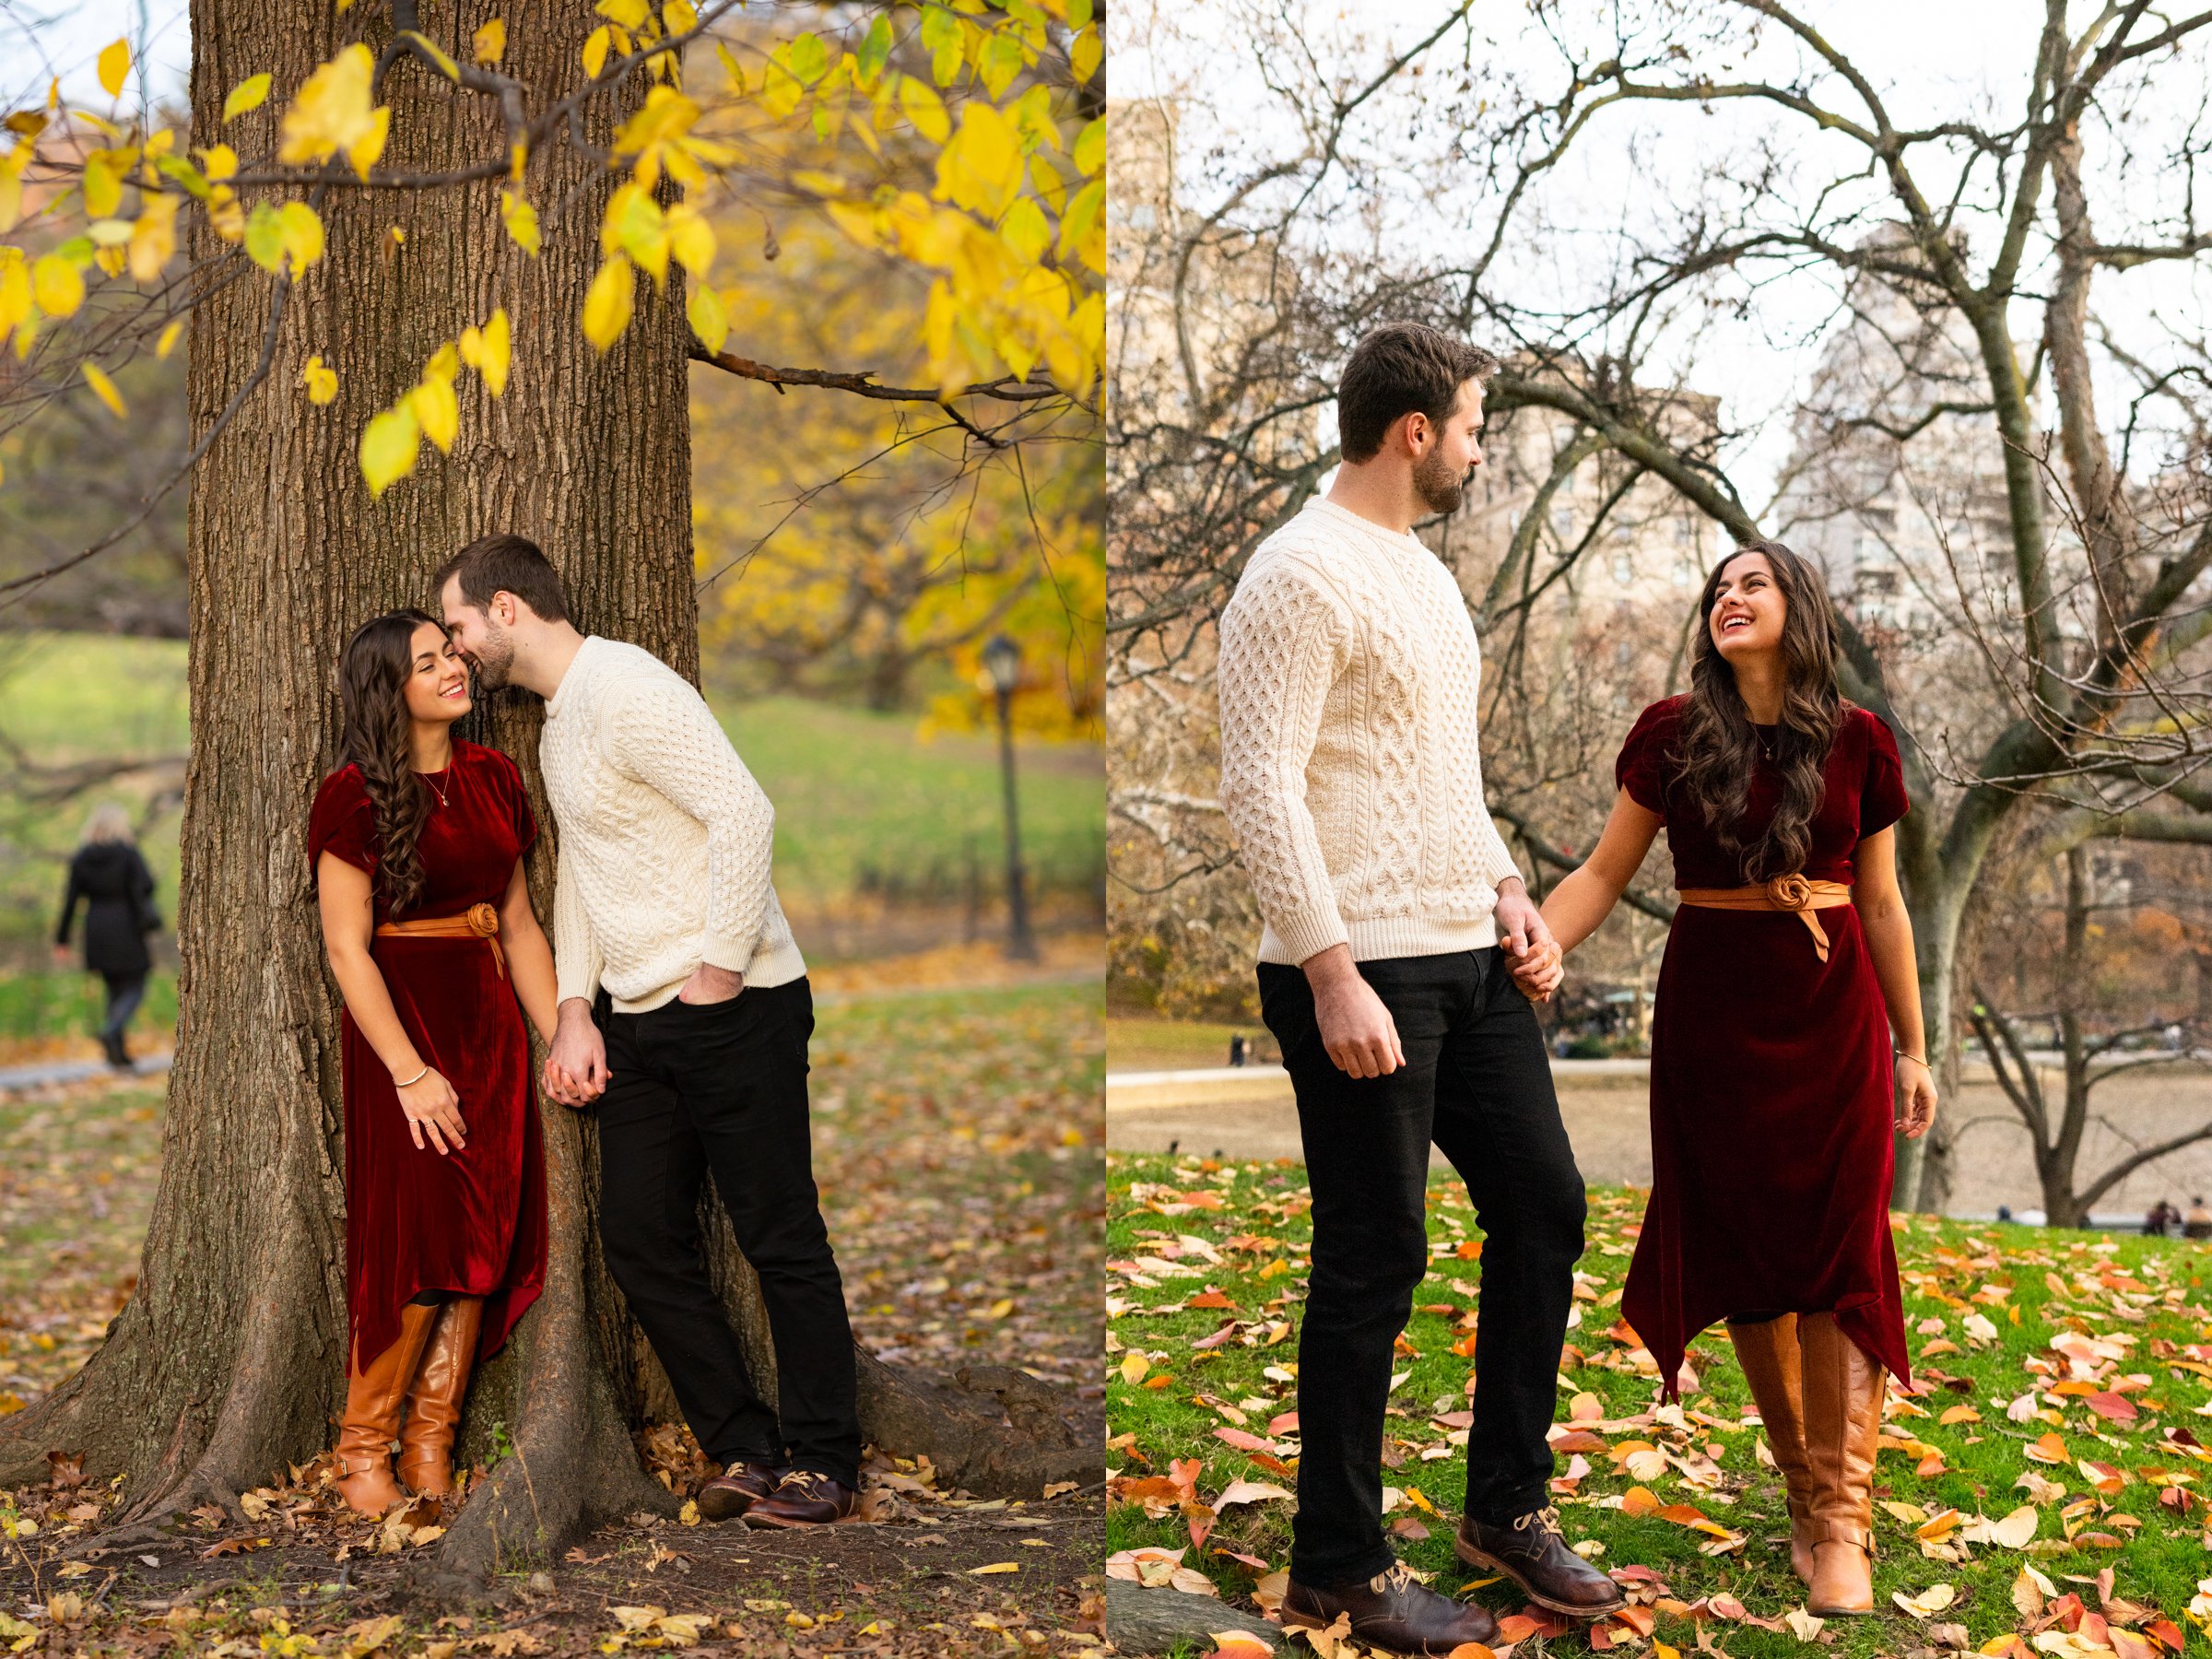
column 1775, row 1081
column 109, row 875
column 417, row 845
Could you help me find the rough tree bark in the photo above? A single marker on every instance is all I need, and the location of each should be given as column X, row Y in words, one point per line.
column 228, row 1361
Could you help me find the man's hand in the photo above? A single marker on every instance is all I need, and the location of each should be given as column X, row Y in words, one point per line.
column 709, row 983
column 576, row 1070
column 1520, row 927
column 1355, row 1029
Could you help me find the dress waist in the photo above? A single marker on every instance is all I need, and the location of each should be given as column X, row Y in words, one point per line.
column 1794, row 893
column 477, row 921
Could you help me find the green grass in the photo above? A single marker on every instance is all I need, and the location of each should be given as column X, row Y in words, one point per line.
column 865, row 808
column 1261, row 1236
column 1138, row 1044
column 69, row 1003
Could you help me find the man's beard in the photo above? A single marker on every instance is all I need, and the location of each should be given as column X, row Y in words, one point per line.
column 1438, row 483
column 495, row 659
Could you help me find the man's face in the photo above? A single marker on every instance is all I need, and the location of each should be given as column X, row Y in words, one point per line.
column 1453, row 452
column 478, row 635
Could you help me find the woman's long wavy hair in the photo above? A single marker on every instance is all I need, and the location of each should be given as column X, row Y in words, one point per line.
column 1717, row 749
column 372, row 676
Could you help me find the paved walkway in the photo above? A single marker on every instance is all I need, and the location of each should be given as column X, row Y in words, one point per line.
column 56, row 1074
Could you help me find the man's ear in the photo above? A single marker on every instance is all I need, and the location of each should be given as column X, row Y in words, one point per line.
column 1419, row 432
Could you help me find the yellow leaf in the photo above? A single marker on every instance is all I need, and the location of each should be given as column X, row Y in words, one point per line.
column 303, row 234
column 389, row 446
column 1134, row 1367
column 169, row 335
column 925, row 108
column 497, row 346
column 1089, row 153
column 1086, row 54
column 607, row 308
column 521, row 219
column 114, row 67
column 154, row 237
column 627, row 14
column 219, row 160
column 249, row 94
column 435, row 52
column 489, row 43
column 980, row 169
column 322, row 382
column 593, row 56
column 708, row 320
column 997, row 1567
column 57, row 286
column 680, row 16
column 332, row 114
column 104, row 389
column 103, row 185
column 690, row 238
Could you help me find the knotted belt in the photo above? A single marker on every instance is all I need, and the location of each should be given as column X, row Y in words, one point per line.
column 477, row 921
column 1791, row 892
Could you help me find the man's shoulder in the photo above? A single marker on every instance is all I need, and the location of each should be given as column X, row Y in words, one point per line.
column 1306, row 555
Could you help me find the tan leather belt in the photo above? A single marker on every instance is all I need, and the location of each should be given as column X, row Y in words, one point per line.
column 1791, row 892
column 477, row 921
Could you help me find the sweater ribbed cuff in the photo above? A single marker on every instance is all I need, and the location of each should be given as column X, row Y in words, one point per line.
column 726, row 951
column 1308, row 933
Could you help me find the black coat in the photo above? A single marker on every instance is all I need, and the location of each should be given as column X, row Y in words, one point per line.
column 119, row 891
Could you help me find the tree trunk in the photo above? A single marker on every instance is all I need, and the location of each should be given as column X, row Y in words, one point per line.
column 228, row 1361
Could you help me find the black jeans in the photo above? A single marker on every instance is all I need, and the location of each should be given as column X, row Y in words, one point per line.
column 722, row 1087
column 1478, row 1083
column 125, row 992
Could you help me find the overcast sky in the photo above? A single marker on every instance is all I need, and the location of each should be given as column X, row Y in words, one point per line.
column 1931, row 60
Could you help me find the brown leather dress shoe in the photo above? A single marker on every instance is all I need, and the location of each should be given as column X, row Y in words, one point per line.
column 738, row 1488
column 804, row 1498
column 1394, row 1611
column 1531, row 1551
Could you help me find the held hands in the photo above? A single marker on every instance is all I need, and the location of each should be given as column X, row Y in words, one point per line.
column 1916, row 1098
column 576, row 1070
column 430, row 1104
column 1537, row 962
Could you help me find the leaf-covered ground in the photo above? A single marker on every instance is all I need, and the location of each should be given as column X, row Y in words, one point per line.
column 959, row 1154
column 2040, row 1484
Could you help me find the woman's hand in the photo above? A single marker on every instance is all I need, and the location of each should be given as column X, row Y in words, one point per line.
column 1916, row 1099
column 431, row 1103
column 1537, row 974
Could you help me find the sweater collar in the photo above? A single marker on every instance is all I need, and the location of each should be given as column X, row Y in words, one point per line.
column 1403, row 541
column 567, row 679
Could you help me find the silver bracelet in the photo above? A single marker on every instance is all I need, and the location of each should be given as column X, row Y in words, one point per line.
column 418, row 1078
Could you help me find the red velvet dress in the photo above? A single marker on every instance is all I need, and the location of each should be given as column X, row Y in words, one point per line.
column 472, row 1221
column 1772, row 1099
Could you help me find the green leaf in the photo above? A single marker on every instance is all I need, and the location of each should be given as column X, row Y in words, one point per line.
column 265, row 237
column 809, row 58
column 1090, row 147
column 875, row 49
column 1078, row 14
column 248, row 95
column 187, row 177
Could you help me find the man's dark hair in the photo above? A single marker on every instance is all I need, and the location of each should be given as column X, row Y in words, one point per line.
column 1402, row 368
column 505, row 564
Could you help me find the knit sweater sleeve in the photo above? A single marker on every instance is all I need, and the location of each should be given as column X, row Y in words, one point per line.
column 659, row 732
column 577, row 963
column 1283, row 641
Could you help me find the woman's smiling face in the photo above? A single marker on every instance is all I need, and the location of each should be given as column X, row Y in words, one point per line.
column 1747, row 608
column 437, row 686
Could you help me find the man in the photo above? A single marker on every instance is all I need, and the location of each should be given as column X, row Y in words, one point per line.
column 685, row 1012
column 1350, row 769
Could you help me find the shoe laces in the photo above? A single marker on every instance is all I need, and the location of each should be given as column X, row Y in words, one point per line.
column 1541, row 1519
column 1397, row 1576
column 804, row 1479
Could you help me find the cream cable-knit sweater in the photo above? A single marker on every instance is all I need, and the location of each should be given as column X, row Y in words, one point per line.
column 1349, row 673
column 665, row 839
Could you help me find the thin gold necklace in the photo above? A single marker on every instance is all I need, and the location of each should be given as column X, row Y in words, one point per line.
column 434, row 789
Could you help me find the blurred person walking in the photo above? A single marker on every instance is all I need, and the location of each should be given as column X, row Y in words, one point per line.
column 108, row 873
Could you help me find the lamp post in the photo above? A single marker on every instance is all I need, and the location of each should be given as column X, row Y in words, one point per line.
column 1002, row 662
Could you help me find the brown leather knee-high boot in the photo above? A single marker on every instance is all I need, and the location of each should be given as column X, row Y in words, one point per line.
column 426, row 1444
column 1768, row 1352
column 1843, row 1394
column 373, row 1393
